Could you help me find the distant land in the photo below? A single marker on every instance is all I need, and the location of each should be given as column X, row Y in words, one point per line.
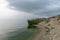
column 48, row 28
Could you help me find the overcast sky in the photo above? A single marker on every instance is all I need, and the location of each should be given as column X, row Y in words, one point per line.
column 40, row 7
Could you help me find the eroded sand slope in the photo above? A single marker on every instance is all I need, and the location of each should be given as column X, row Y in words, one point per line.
column 48, row 29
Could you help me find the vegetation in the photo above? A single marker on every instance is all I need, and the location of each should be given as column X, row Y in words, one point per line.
column 32, row 23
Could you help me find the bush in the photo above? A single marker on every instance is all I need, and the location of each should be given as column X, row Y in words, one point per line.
column 33, row 22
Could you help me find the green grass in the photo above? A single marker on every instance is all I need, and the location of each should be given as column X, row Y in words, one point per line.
column 33, row 22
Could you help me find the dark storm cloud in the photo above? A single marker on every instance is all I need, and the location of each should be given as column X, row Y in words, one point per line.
column 42, row 7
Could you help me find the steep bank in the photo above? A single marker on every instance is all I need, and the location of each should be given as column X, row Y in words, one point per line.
column 48, row 29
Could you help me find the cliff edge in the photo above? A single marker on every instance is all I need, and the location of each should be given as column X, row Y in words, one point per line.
column 48, row 29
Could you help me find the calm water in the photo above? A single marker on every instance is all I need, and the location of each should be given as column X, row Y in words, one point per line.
column 20, row 34
column 13, row 23
column 14, row 27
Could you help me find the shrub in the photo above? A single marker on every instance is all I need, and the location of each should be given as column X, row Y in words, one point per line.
column 33, row 22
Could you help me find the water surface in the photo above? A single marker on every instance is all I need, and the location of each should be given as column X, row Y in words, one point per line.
column 13, row 23
column 15, row 28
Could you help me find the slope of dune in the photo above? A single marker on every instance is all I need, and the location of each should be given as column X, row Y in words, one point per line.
column 48, row 29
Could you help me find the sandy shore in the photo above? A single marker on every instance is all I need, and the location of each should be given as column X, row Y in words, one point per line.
column 48, row 29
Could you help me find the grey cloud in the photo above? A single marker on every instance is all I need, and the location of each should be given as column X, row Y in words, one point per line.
column 28, row 6
column 43, row 7
column 48, row 12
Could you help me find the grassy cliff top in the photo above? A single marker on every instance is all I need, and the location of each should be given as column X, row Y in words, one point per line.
column 33, row 22
column 48, row 28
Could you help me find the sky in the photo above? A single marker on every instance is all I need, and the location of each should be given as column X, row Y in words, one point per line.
column 12, row 10
column 8, row 11
column 12, row 18
column 39, row 7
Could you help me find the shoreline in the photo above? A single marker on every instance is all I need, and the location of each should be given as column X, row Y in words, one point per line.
column 48, row 29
